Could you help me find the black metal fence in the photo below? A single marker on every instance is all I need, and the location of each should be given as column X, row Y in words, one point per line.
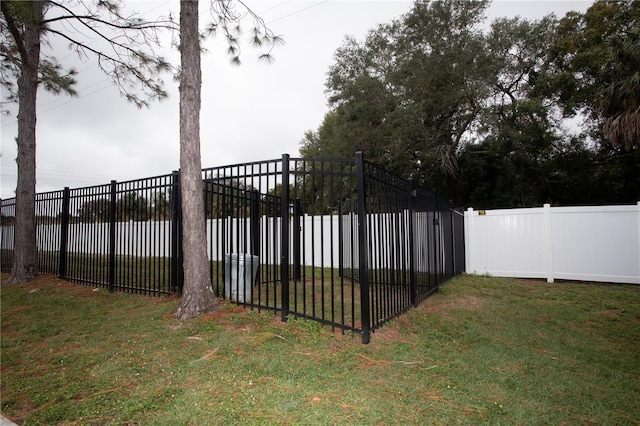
column 339, row 241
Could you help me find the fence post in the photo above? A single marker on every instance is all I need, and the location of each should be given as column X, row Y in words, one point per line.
column 436, row 239
column 176, row 233
column 452, row 234
column 112, row 237
column 362, row 251
column 458, row 235
column 284, row 237
column 469, row 241
column 548, row 242
column 254, row 219
column 638, row 219
column 64, row 233
column 412, row 265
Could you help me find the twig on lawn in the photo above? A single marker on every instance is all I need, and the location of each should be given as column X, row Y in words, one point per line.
column 384, row 361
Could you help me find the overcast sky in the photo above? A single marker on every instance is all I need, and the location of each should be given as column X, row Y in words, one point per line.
column 249, row 113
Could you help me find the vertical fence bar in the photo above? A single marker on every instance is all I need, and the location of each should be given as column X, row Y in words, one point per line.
column 333, row 227
column 297, row 212
column 112, row 237
column 173, row 263
column 412, row 263
column 436, row 240
column 176, row 234
column 362, row 242
column 322, row 204
column 284, row 237
column 313, row 210
column 452, row 236
column 254, row 227
column 64, row 233
column 304, row 234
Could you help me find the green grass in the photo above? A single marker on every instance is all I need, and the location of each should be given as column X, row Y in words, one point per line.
column 481, row 351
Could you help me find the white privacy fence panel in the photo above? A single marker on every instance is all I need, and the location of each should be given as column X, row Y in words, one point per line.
column 321, row 242
column 7, row 238
column 576, row 243
column 320, row 239
column 608, row 240
column 506, row 243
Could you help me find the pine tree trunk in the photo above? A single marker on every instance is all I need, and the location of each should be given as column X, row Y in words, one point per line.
column 25, row 255
column 197, row 294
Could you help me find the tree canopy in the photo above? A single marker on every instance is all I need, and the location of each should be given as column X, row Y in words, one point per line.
column 524, row 113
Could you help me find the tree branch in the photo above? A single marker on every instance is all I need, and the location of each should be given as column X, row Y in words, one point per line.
column 90, row 49
column 170, row 25
column 13, row 28
column 111, row 41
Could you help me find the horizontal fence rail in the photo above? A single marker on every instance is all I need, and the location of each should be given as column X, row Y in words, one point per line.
column 339, row 241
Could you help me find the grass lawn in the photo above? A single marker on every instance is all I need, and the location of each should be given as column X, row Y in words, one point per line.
column 481, row 351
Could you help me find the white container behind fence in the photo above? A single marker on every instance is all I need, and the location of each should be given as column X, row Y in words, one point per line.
column 576, row 243
column 241, row 272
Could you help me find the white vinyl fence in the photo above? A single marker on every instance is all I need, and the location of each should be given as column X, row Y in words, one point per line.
column 321, row 242
column 574, row 243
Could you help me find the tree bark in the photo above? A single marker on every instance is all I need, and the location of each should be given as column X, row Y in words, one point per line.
column 25, row 255
column 197, row 294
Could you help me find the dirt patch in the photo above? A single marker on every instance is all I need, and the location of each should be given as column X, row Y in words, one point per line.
column 46, row 281
column 465, row 302
column 15, row 309
column 469, row 302
column 445, row 308
column 609, row 314
column 223, row 312
column 399, row 330
column 53, row 283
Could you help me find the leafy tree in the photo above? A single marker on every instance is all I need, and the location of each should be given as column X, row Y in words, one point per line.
column 161, row 206
column 226, row 197
column 94, row 211
column 324, row 187
column 597, row 63
column 525, row 156
column 445, row 78
column 410, row 95
column 132, row 206
column 519, row 129
column 482, row 117
column 594, row 66
column 620, row 96
column 125, row 56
